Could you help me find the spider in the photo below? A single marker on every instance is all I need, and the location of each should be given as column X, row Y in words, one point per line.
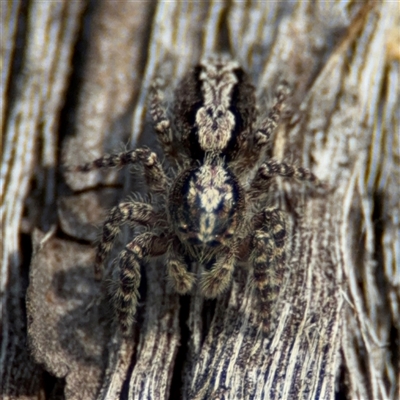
column 211, row 202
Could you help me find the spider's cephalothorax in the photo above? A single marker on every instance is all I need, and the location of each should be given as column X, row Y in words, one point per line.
column 212, row 205
column 206, row 205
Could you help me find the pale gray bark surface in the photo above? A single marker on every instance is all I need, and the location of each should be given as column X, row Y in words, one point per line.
column 74, row 85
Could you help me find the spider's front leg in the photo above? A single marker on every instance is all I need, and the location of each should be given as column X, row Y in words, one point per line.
column 133, row 213
column 130, row 212
column 216, row 280
column 177, row 270
column 269, row 265
column 126, row 297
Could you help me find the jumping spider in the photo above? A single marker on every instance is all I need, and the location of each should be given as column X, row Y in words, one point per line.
column 212, row 203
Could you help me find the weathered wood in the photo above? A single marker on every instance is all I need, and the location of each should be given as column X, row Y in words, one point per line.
column 74, row 86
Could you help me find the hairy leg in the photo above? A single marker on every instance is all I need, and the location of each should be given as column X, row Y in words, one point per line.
column 272, row 168
column 126, row 297
column 257, row 143
column 130, row 212
column 269, row 124
column 162, row 125
column 153, row 171
column 269, row 264
column 216, row 280
column 177, row 271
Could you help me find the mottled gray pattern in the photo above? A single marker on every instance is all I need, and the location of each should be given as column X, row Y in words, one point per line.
column 75, row 85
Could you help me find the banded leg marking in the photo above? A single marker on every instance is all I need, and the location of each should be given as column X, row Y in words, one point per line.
column 268, row 126
column 268, row 170
column 154, row 173
column 177, row 272
column 217, row 279
column 129, row 212
column 269, row 264
column 126, row 297
column 162, row 124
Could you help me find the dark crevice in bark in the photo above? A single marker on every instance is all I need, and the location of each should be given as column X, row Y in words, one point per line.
column 17, row 63
column 76, row 79
column 341, row 389
column 53, row 387
column 181, row 357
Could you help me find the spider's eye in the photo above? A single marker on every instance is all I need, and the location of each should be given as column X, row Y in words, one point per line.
column 194, row 241
column 183, row 228
column 213, row 243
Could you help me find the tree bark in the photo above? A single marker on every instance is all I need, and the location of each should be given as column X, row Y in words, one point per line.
column 74, row 86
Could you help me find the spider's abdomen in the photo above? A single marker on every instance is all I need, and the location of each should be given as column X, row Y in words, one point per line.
column 215, row 108
column 206, row 204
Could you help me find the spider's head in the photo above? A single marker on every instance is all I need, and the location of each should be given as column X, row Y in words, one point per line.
column 206, row 205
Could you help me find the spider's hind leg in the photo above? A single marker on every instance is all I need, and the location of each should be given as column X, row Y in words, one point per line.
column 269, row 124
column 260, row 139
column 273, row 168
column 155, row 176
column 269, row 264
column 162, row 125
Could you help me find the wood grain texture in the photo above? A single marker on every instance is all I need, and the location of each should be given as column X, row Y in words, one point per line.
column 74, row 85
